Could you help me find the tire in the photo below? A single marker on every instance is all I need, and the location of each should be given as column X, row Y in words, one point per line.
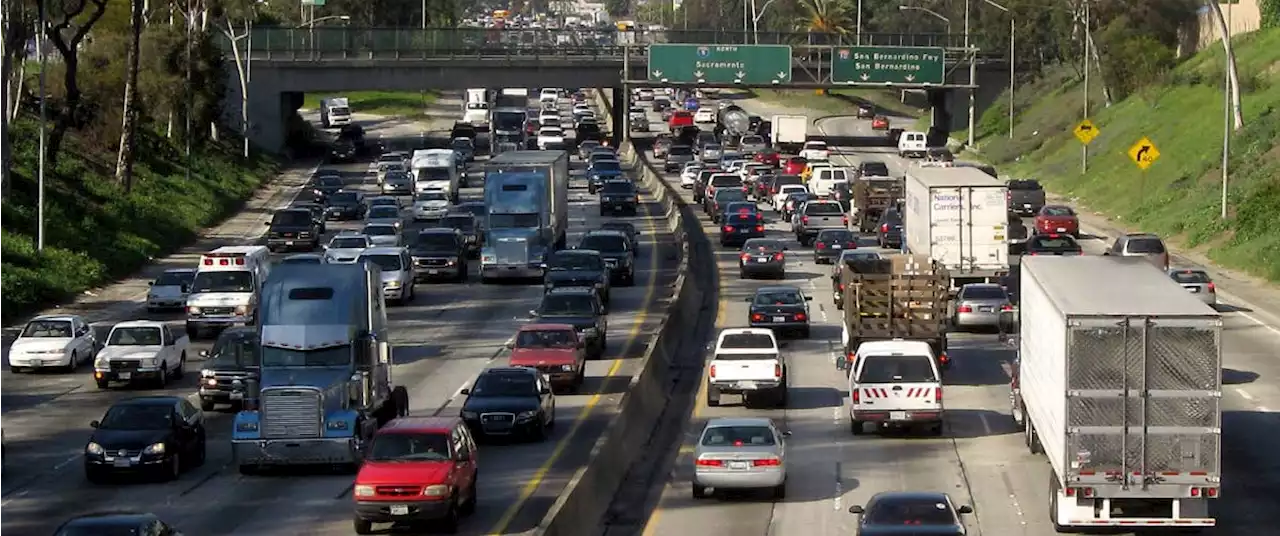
column 250, row 469
column 103, row 384
column 857, row 427
column 175, row 468
column 449, row 523
column 540, row 434
column 361, row 526
column 400, row 400
column 193, row 332
column 163, row 381
column 182, row 367
column 206, row 405
column 1032, row 438
column 780, row 491
column 469, row 507
column 14, row 370
column 699, row 491
column 75, row 361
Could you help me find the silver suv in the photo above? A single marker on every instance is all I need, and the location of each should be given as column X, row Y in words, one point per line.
column 397, row 271
column 1141, row 245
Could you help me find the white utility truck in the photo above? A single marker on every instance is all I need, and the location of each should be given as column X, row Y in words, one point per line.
column 958, row 217
column 335, row 112
column 788, row 132
column 1120, row 386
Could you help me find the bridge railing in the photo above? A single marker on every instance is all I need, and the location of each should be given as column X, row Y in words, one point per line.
column 338, row 43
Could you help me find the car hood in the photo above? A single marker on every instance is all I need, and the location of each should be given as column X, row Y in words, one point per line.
column 568, row 277
column 579, row 322
column 40, row 344
column 321, row 377
column 344, row 252
column 513, row 404
column 166, row 290
column 129, row 352
column 532, row 357
column 417, row 473
column 342, row 206
column 432, row 252
column 116, row 440
column 382, row 221
column 433, row 204
column 776, row 309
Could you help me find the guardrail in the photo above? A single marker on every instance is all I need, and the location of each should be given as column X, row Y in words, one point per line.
column 585, row 501
column 338, row 43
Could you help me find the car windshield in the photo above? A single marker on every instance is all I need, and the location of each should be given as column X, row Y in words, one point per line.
column 619, row 187
column 738, row 436
column 388, row 263
column 604, row 243
column 332, row 356
column 396, row 176
column 587, row 146
column 910, row 511
column 138, row 417
column 875, row 169
column 463, row 143
column 747, row 341
column 435, row 195
column 1058, row 211
column 711, row 147
column 48, row 329
column 605, row 165
column 762, row 245
column 752, row 140
column 681, row 150
column 778, row 297
column 352, row 242
column 235, row 349
column 343, row 198
column 237, row 281
column 557, row 338
column 729, row 195
column 436, row 241
column 851, row 256
column 983, row 292
column 1188, row 277
column 389, row 158
column 816, row 146
column 1025, row 185
column 567, row 305
column 329, row 181
column 175, row 279
column 384, row 212
column 408, row 447
column 1146, row 245
column 836, row 236
column 822, row 209
column 135, row 336
column 575, row 261
column 502, row 385
column 378, row 230
column 434, row 174
column 896, row 369
column 293, row 218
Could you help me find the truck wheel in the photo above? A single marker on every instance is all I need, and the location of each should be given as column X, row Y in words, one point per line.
column 1053, row 505
column 856, row 427
column 780, row 398
column 182, row 366
column 1031, row 438
column 193, row 332
column 103, row 384
column 713, row 397
column 361, row 526
column 163, row 380
column 400, row 401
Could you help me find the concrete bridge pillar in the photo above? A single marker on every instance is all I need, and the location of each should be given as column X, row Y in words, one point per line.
column 621, row 100
column 941, row 117
column 269, row 111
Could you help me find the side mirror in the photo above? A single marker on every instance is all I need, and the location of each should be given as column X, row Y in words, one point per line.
column 544, row 391
column 267, row 223
column 533, row 313
column 510, row 345
column 785, row 248
column 786, row 433
column 808, row 298
column 151, row 283
column 748, row 300
column 464, row 391
column 857, row 509
column 204, row 354
column 842, row 362
column 325, row 247
column 965, row 509
column 94, row 424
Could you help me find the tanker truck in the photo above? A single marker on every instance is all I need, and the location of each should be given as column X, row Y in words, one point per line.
column 731, row 123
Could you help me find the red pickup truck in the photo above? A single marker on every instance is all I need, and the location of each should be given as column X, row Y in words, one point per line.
column 680, row 119
column 555, row 350
column 417, row 469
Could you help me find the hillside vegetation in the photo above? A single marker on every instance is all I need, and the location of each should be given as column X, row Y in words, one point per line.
column 1182, row 114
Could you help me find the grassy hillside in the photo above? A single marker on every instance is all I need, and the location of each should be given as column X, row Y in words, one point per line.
column 406, row 104
column 94, row 232
column 1182, row 114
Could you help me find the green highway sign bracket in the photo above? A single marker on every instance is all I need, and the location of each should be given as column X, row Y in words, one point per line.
column 719, row 64
column 888, row 65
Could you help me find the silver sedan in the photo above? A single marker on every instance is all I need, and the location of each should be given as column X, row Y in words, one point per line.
column 740, row 453
column 979, row 305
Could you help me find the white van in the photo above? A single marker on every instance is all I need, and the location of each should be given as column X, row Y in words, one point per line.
column 549, row 95
column 913, row 143
column 437, row 169
column 476, row 114
column 225, row 290
column 825, row 179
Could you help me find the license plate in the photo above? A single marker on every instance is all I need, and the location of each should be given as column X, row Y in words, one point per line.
column 124, row 375
column 898, row 415
column 837, row 246
column 288, row 242
column 433, row 272
column 122, row 462
column 986, row 309
column 779, row 319
column 738, row 465
column 399, row 510
column 762, row 259
column 1026, row 205
column 237, row 396
column 747, row 385
column 1193, row 290
column 1062, row 230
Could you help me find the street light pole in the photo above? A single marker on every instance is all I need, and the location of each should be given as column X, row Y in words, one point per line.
column 858, row 24
column 755, row 18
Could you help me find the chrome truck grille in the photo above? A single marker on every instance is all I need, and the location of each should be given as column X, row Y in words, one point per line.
column 290, row 413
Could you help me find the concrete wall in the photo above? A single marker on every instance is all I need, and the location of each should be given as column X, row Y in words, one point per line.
column 1245, row 16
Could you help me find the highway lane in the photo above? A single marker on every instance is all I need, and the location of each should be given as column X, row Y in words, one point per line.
column 441, row 341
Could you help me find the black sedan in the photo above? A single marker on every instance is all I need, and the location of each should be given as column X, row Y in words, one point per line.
column 889, row 229
column 784, row 309
column 763, row 256
column 1053, row 244
column 510, row 402
column 830, row 243
column 324, row 184
column 627, row 228
column 736, row 229
column 345, row 205
column 154, row 435
column 108, row 523
column 924, row 513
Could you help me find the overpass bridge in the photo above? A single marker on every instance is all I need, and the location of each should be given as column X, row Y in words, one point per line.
column 285, row 63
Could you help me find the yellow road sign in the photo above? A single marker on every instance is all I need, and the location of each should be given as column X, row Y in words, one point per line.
column 1086, row 131
column 1144, row 153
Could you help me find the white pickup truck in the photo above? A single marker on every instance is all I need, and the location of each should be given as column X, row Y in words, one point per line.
column 747, row 362
column 894, row 384
column 141, row 351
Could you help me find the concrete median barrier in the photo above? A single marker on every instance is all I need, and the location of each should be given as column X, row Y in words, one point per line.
column 584, row 504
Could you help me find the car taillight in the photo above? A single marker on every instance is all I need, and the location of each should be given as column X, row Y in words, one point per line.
column 1211, row 288
column 841, row 287
column 711, row 372
column 1006, row 307
column 746, row 257
column 964, row 309
column 884, row 228
column 855, row 395
column 709, row 463
column 777, row 370
column 800, row 317
column 937, row 391
column 757, row 317
column 759, row 228
column 820, row 245
column 773, row 190
column 1008, row 196
column 804, row 219
column 767, row 462
column 728, row 228
column 778, row 257
column 844, row 220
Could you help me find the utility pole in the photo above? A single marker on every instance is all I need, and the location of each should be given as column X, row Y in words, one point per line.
column 973, row 75
column 1227, row 122
column 1084, row 148
column 44, row 94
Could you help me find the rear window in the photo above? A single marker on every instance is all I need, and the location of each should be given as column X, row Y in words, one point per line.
column 1025, row 185
column 738, row 436
column 744, row 341
column 747, row 357
column 1058, row 211
column 725, row 180
column 982, row 293
column 762, row 245
column 892, row 217
column 1146, row 245
column 896, row 369
column 822, row 209
column 1053, row 242
column 787, row 179
column 836, row 236
column 740, row 219
column 1191, row 276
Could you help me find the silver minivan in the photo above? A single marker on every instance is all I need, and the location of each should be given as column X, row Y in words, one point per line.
column 397, row 272
column 1145, row 245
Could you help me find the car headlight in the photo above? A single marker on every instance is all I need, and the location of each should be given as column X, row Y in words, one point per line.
column 154, row 448
column 100, row 363
column 437, row 490
column 93, row 448
column 363, row 490
column 336, row 425
column 247, row 427
column 391, row 284
column 526, row 415
column 566, row 368
column 451, row 261
column 149, row 362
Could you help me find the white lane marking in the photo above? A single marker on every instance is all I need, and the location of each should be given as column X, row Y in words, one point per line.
column 1251, row 318
column 986, row 424
column 1245, row 394
column 838, row 498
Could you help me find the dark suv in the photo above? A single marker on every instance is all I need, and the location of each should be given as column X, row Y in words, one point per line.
column 234, row 357
column 615, row 249
column 619, row 196
column 439, row 253
column 293, row 229
column 889, row 229
column 580, row 308
column 578, row 268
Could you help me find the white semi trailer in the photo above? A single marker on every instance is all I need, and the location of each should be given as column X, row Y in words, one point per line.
column 1118, row 382
column 959, row 217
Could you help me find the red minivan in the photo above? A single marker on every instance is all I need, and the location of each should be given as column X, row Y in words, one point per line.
column 680, row 119
column 417, row 469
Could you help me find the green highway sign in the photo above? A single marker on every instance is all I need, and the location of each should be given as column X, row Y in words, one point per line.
column 893, row 65
column 720, row 64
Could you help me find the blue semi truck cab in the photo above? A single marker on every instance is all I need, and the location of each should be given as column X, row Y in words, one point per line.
column 325, row 381
column 526, row 195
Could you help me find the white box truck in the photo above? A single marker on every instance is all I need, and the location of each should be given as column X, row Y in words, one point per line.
column 787, row 132
column 1119, row 385
column 334, row 112
column 958, row 217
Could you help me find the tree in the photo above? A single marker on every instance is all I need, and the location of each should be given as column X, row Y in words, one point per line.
column 129, row 125
column 824, row 17
column 71, row 24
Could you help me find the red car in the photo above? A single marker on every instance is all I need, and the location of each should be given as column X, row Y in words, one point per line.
column 555, row 350
column 531, row 126
column 1057, row 219
column 417, row 469
column 880, row 122
column 680, row 119
column 767, row 157
column 795, row 165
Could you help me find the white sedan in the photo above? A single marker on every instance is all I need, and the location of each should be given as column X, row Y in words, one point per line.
column 53, row 341
column 689, row 174
column 550, row 137
column 815, row 151
column 704, row 115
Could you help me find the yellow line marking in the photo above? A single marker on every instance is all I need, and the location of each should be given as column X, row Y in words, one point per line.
column 642, row 315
